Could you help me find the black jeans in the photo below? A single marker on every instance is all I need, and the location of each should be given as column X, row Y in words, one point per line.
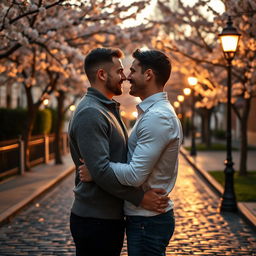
column 95, row 237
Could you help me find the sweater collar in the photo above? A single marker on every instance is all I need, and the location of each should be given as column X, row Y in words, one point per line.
column 102, row 98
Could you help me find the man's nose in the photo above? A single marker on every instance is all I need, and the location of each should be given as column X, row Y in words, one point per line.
column 123, row 76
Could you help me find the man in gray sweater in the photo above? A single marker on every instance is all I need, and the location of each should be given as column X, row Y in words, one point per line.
column 98, row 135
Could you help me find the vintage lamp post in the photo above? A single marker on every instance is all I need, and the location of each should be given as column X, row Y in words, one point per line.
column 181, row 99
column 229, row 41
column 176, row 104
column 187, row 92
column 192, row 81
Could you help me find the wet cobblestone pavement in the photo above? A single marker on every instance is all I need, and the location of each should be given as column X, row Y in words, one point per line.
column 200, row 229
column 43, row 228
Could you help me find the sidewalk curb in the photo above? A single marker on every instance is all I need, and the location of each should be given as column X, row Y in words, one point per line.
column 12, row 211
column 218, row 189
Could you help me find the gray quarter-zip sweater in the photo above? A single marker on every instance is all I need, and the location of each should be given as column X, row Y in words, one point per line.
column 97, row 135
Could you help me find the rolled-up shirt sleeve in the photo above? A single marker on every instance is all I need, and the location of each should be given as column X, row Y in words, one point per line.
column 154, row 132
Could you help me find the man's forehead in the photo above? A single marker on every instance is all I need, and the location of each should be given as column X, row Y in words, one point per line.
column 117, row 62
column 135, row 63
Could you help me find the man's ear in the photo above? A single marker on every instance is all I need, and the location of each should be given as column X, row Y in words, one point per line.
column 148, row 74
column 102, row 74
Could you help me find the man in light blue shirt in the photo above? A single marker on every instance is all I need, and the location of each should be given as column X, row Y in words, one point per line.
column 153, row 149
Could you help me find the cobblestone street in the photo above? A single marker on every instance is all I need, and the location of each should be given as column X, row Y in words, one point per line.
column 43, row 228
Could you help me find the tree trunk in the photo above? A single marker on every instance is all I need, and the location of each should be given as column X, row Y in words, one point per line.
column 208, row 135
column 206, row 126
column 202, row 128
column 59, row 126
column 8, row 96
column 32, row 110
column 216, row 121
column 244, row 141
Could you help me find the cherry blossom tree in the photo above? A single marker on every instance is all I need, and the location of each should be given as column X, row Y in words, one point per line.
column 190, row 36
column 43, row 44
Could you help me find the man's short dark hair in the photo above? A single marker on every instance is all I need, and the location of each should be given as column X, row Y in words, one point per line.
column 97, row 58
column 157, row 61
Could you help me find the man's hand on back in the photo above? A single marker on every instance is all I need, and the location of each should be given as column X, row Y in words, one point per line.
column 84, row 174
column 155, row 200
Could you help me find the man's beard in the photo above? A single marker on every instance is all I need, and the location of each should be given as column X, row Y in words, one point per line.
column 133, row 88
column 113, row 88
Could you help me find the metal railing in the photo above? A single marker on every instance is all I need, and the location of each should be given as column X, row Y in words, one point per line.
column 41, row 151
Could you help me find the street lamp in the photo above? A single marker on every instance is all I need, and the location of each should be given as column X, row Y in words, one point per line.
column 192, row 82
column 72, row 108
column 229, row 41
column 46, row 102
column 176, row 104
column 181, row 99
column 187, row 92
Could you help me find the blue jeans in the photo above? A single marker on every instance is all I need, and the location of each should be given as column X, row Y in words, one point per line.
column 149, row 236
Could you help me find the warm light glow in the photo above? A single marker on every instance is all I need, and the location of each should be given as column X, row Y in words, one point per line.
column 229, row 38
column 123, row 113
column 176, row 104
column 187, row 91
column 188, row 114
column 135, row 114
column 179, row 115
column 229, row 42
column 72, row 108
column 46, row 102
column 180, row 98
column 192, row 80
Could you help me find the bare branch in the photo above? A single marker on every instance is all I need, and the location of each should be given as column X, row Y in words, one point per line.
column 35, row 16
column 31, row 12
column 6, row 14
column 46, row 48
column 10, row 51
column 197, row 60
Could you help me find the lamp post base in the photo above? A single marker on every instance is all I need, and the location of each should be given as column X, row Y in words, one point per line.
column 228, row 205
column 193, row 145
column 193, row 152
column 228, row 201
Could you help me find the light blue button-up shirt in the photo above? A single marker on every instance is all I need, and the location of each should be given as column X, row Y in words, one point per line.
column 153, row 149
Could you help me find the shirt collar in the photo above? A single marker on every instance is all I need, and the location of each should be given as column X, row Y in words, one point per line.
column 151, row 100
column 102, row 98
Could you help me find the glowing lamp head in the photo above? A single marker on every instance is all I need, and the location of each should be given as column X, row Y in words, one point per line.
column 46, row 102
column 187, row 91
column 176, row 104
column 72, row 108
column 229, row 38
column 192, row 80
column 180, row 98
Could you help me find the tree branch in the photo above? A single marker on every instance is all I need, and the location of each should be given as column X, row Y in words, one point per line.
column 237, row 112
column 6, row 14
column 10, row 51
column 197, row 60
column 30, row 13
column 46, row 48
